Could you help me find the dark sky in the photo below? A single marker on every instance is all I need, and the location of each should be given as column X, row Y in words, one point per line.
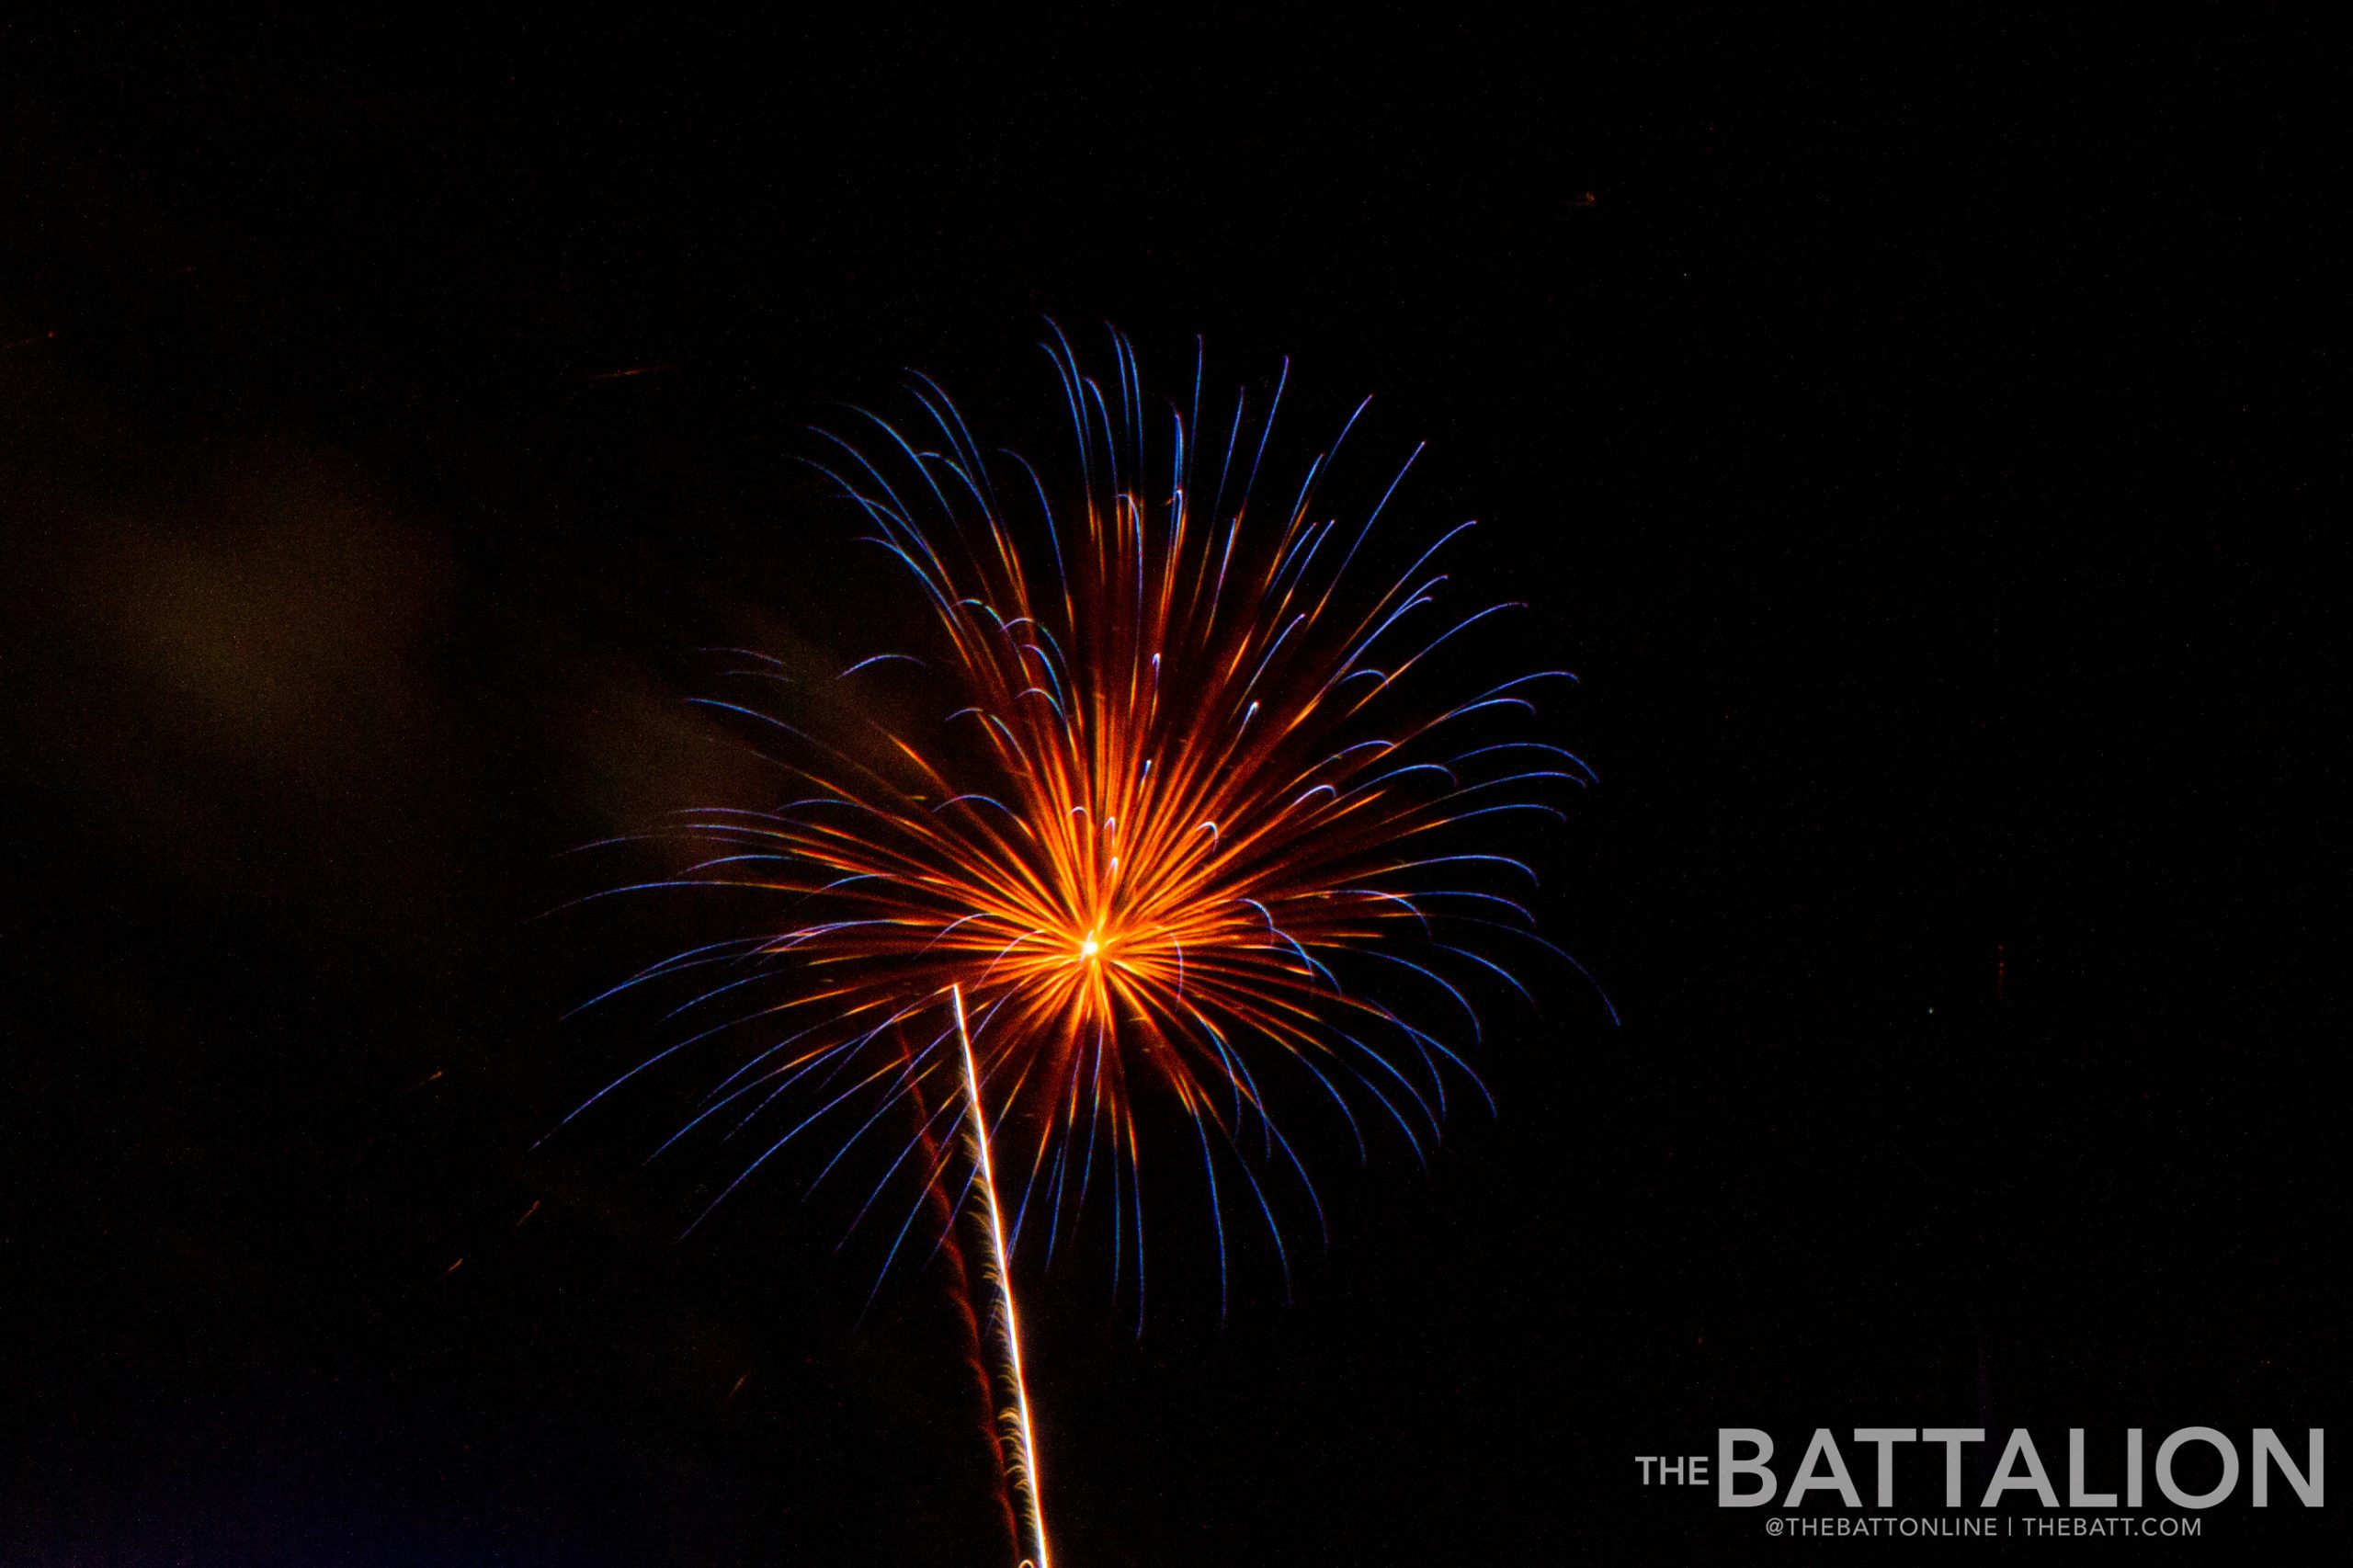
column 1916, row 443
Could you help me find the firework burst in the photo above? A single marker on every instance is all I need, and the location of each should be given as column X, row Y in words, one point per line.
column 1191, row 824
column 1198, row 816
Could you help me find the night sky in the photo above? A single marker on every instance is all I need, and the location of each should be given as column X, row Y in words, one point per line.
column 1917, row 442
